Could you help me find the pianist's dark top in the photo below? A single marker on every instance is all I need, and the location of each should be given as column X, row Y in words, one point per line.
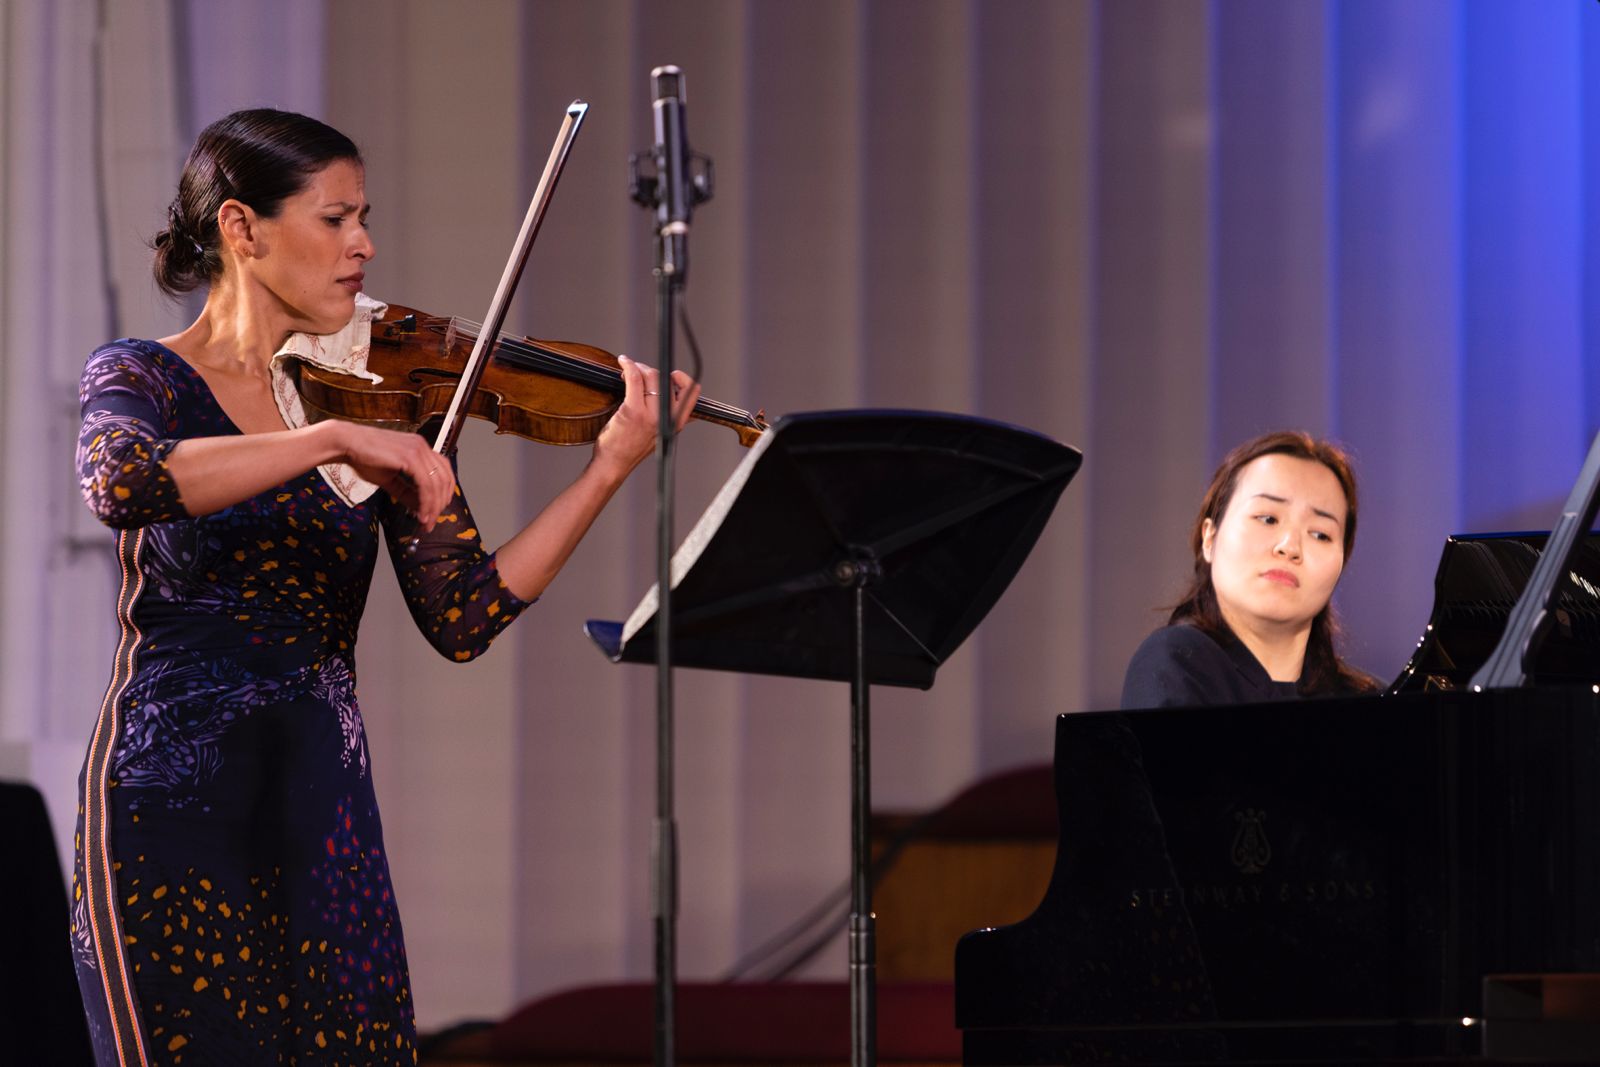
column 1183, row 666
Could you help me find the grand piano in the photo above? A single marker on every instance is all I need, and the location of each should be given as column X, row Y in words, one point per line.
column 1412, row 876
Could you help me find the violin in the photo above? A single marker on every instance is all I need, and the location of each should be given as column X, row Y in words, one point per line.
column 552, row 392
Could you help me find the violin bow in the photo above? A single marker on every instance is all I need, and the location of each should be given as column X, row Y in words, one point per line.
column 456, row 414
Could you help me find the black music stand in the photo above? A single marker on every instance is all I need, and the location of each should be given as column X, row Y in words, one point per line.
column 861, row 546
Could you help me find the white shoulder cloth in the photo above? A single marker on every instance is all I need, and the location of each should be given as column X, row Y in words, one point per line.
column 344, row 351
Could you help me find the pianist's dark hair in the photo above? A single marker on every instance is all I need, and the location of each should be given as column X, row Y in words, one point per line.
column 259, row 157
column 1324, row 672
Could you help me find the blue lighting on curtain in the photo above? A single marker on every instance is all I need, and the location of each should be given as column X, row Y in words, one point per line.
column 1589, row 118
column 1524, row 413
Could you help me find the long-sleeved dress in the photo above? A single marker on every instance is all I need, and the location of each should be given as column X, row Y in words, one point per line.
column 231, row 900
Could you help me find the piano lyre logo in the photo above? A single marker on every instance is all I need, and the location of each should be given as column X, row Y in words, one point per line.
column 1251, row 850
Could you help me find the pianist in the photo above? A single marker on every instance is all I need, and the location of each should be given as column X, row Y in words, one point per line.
column 1256, row 623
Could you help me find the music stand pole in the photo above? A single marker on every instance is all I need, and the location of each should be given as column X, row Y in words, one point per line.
column 859, row 573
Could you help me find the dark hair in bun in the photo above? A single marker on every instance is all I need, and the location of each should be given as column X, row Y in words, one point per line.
column 258, row 157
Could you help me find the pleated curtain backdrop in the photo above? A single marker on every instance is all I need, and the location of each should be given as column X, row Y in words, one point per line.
column 1149, row 228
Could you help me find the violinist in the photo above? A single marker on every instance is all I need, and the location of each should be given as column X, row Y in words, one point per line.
column 1270, row 543
column 232, row 901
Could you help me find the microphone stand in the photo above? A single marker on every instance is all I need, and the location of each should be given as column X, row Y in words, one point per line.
column 672, row 193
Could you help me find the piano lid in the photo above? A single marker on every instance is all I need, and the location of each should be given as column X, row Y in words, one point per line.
column 1479, row 579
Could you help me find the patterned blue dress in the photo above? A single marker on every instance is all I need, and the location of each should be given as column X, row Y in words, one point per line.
column 231, row 900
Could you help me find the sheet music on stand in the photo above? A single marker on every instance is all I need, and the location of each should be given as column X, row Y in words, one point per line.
column 695, row 542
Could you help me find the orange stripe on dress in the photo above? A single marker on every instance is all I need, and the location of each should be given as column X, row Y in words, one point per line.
column 133, row 646
column 96, row 844
column 93, row 813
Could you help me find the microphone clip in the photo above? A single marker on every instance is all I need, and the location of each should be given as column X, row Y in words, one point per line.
column 645, row 188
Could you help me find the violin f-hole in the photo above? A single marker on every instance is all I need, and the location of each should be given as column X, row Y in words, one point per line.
column 419, row 374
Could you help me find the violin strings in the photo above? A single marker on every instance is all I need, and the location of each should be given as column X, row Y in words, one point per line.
column 529, row 355
column 520, row 353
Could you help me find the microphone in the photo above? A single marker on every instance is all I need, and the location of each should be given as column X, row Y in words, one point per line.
column 674, row 196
